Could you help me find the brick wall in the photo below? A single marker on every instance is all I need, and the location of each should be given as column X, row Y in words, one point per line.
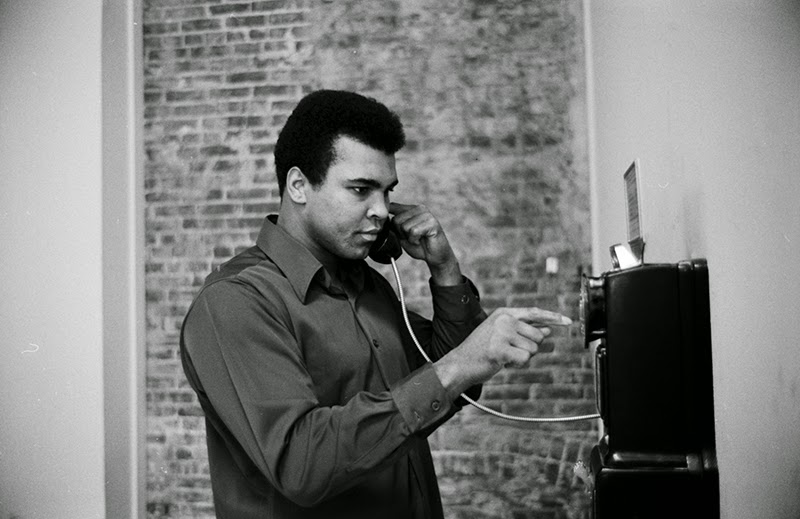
column 491, row 94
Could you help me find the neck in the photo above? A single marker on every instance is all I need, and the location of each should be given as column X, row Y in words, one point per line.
column 291, row 222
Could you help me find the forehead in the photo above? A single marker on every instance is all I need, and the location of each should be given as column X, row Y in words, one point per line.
column 355, row 160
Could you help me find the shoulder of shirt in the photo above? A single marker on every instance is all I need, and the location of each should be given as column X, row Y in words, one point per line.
column 248, row 258
column 250, row 267
column 248, row 276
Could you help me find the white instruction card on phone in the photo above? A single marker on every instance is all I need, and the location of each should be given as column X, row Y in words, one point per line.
column 633, row 201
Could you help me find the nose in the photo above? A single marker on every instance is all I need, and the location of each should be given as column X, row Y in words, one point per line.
column 379, row 207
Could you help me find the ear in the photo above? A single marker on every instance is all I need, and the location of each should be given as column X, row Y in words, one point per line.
column 296, row 184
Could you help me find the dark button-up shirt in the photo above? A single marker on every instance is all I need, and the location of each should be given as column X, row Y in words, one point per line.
column 317, row 403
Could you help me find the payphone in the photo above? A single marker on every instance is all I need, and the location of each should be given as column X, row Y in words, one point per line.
column 650, row 325
column 657, row 458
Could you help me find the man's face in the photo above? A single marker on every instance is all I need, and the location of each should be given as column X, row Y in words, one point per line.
column 345, row 212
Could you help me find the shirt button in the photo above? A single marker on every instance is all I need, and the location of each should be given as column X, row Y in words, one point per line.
column 435, row 405
column 465, row 299
column 376, row 343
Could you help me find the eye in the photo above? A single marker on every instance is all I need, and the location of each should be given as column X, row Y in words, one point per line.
column 360, row 190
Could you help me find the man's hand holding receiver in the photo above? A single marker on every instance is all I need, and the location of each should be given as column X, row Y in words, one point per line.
column 423, row 238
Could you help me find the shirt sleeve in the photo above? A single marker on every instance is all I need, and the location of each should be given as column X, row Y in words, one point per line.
column 456, row 313
column 250, row 375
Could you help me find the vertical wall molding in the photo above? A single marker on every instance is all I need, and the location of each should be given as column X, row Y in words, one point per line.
column 123, row 260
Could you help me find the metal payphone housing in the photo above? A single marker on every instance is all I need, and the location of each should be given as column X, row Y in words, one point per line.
column 651, row 324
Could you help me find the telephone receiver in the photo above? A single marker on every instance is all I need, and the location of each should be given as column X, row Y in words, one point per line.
column 387, row 245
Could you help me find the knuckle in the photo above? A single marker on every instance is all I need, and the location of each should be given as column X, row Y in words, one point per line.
column 504, row 315
column 512, row 321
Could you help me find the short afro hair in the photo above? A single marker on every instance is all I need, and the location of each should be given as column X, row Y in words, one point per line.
column 308, row 137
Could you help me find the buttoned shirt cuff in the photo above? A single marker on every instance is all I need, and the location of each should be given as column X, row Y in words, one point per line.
column 421, row 399
column 457, row 302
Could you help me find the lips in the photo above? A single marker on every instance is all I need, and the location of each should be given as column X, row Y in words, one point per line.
column 367, row 237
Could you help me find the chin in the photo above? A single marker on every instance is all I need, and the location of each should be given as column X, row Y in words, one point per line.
column 354, row 253
column 361, row 255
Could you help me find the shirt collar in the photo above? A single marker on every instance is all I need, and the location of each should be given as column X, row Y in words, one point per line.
column 298, row 264
column 295, row 261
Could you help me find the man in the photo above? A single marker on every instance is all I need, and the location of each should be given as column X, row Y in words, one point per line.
column 317, row 403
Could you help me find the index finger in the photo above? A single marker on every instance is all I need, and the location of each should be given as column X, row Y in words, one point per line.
column 538, row 316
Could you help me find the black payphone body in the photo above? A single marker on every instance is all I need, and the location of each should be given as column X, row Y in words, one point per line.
column 657, row 458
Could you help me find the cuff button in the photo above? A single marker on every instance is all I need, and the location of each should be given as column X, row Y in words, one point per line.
column 435, row 405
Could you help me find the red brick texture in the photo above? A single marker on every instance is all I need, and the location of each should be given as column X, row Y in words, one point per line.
column 491, row 93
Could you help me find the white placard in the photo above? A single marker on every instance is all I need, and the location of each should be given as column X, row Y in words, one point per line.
column 633, row 201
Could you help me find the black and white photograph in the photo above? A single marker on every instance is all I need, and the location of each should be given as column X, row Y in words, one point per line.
column 399, row 259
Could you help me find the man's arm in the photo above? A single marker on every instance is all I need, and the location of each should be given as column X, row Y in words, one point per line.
column 456, row 307
column 509, row 337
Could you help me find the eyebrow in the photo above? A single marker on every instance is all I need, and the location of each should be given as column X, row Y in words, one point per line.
column 371, row 182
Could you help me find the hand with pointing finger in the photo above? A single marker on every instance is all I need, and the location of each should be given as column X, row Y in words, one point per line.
column 508, row 337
